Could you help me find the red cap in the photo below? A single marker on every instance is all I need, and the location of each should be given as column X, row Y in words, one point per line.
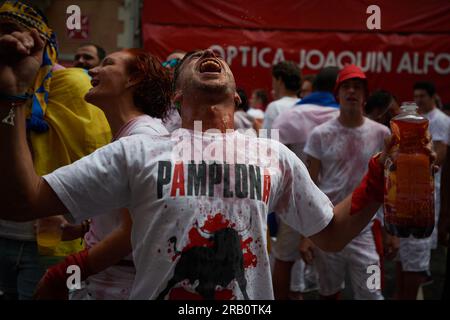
column 350, row 71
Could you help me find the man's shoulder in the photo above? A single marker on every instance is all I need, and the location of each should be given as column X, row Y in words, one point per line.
column 147, row 141
column 272, row 105
column 440, row 117
column 266, row 142
column 374, row 126
column 299, row 112
column 149, row 125
column 287, row 116
column 328, row 125
column 284, row 101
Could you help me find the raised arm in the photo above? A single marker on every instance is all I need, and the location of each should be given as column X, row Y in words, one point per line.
column 344, row 227
column 24, row 195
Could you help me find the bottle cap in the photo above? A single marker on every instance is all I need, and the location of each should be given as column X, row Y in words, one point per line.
column 409, row 106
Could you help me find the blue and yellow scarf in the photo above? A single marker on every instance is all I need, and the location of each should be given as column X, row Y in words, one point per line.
column 28, row 18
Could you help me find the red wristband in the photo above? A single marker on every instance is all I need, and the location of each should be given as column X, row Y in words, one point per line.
column 55, row 279
column 371, row 188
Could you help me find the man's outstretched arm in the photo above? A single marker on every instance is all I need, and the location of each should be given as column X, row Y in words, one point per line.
column 354, row 213
column 344, row 227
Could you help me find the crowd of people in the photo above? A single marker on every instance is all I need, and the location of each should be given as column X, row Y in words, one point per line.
column 151, row 207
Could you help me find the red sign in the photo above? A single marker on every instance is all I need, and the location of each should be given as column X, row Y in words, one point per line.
column 83, row 33
column 392, row 61
column 406, row 16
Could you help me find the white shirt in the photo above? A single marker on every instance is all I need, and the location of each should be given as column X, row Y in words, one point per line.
column 255, row 113
column 173, row 120
column 102, row 225
column 296, row 124
column 277, row 107
column 177, row 208
column 242, row 120
column 439, row 124
column 344, row 154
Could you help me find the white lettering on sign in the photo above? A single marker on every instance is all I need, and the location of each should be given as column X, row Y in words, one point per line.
column 315, row 59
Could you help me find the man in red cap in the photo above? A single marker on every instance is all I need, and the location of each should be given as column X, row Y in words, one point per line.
column 338, row 153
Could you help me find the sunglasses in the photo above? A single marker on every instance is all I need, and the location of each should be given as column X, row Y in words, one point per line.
column 172, row 63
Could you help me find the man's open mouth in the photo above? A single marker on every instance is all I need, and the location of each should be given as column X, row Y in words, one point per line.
column 210, row 66
column 94, row 82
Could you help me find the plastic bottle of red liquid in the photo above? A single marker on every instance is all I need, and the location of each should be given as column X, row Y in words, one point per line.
column 409, row 182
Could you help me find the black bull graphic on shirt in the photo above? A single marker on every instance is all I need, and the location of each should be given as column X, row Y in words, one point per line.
column 211, row 266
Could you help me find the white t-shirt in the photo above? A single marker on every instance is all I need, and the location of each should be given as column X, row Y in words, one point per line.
column 277, row 107
column 254, row 113
column 173, row 120
column 296, row 124
column 448, row 137
column 22, row 231
column 242, row 120
column 183, row 211
column 102, row 225
column 439, row 124
column 344, row 154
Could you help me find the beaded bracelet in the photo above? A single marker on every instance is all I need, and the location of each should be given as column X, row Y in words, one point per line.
column 15, row 98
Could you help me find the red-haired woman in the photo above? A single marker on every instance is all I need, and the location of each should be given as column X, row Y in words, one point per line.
column 133, row 90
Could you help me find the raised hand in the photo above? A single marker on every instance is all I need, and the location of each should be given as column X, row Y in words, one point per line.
column 20, row 59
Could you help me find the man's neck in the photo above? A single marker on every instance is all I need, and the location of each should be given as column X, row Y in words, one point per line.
column 217, row 116
column 351, row 118
column 287, row 93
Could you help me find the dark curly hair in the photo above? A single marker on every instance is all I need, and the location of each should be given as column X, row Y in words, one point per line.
column 153, row 93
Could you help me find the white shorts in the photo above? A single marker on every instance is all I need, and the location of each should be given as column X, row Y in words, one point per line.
column 355, row 258
column 286, row 247
column 414, row 254
column 304, row 277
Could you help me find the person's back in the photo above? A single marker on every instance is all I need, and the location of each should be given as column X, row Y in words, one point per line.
column 296, row 124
